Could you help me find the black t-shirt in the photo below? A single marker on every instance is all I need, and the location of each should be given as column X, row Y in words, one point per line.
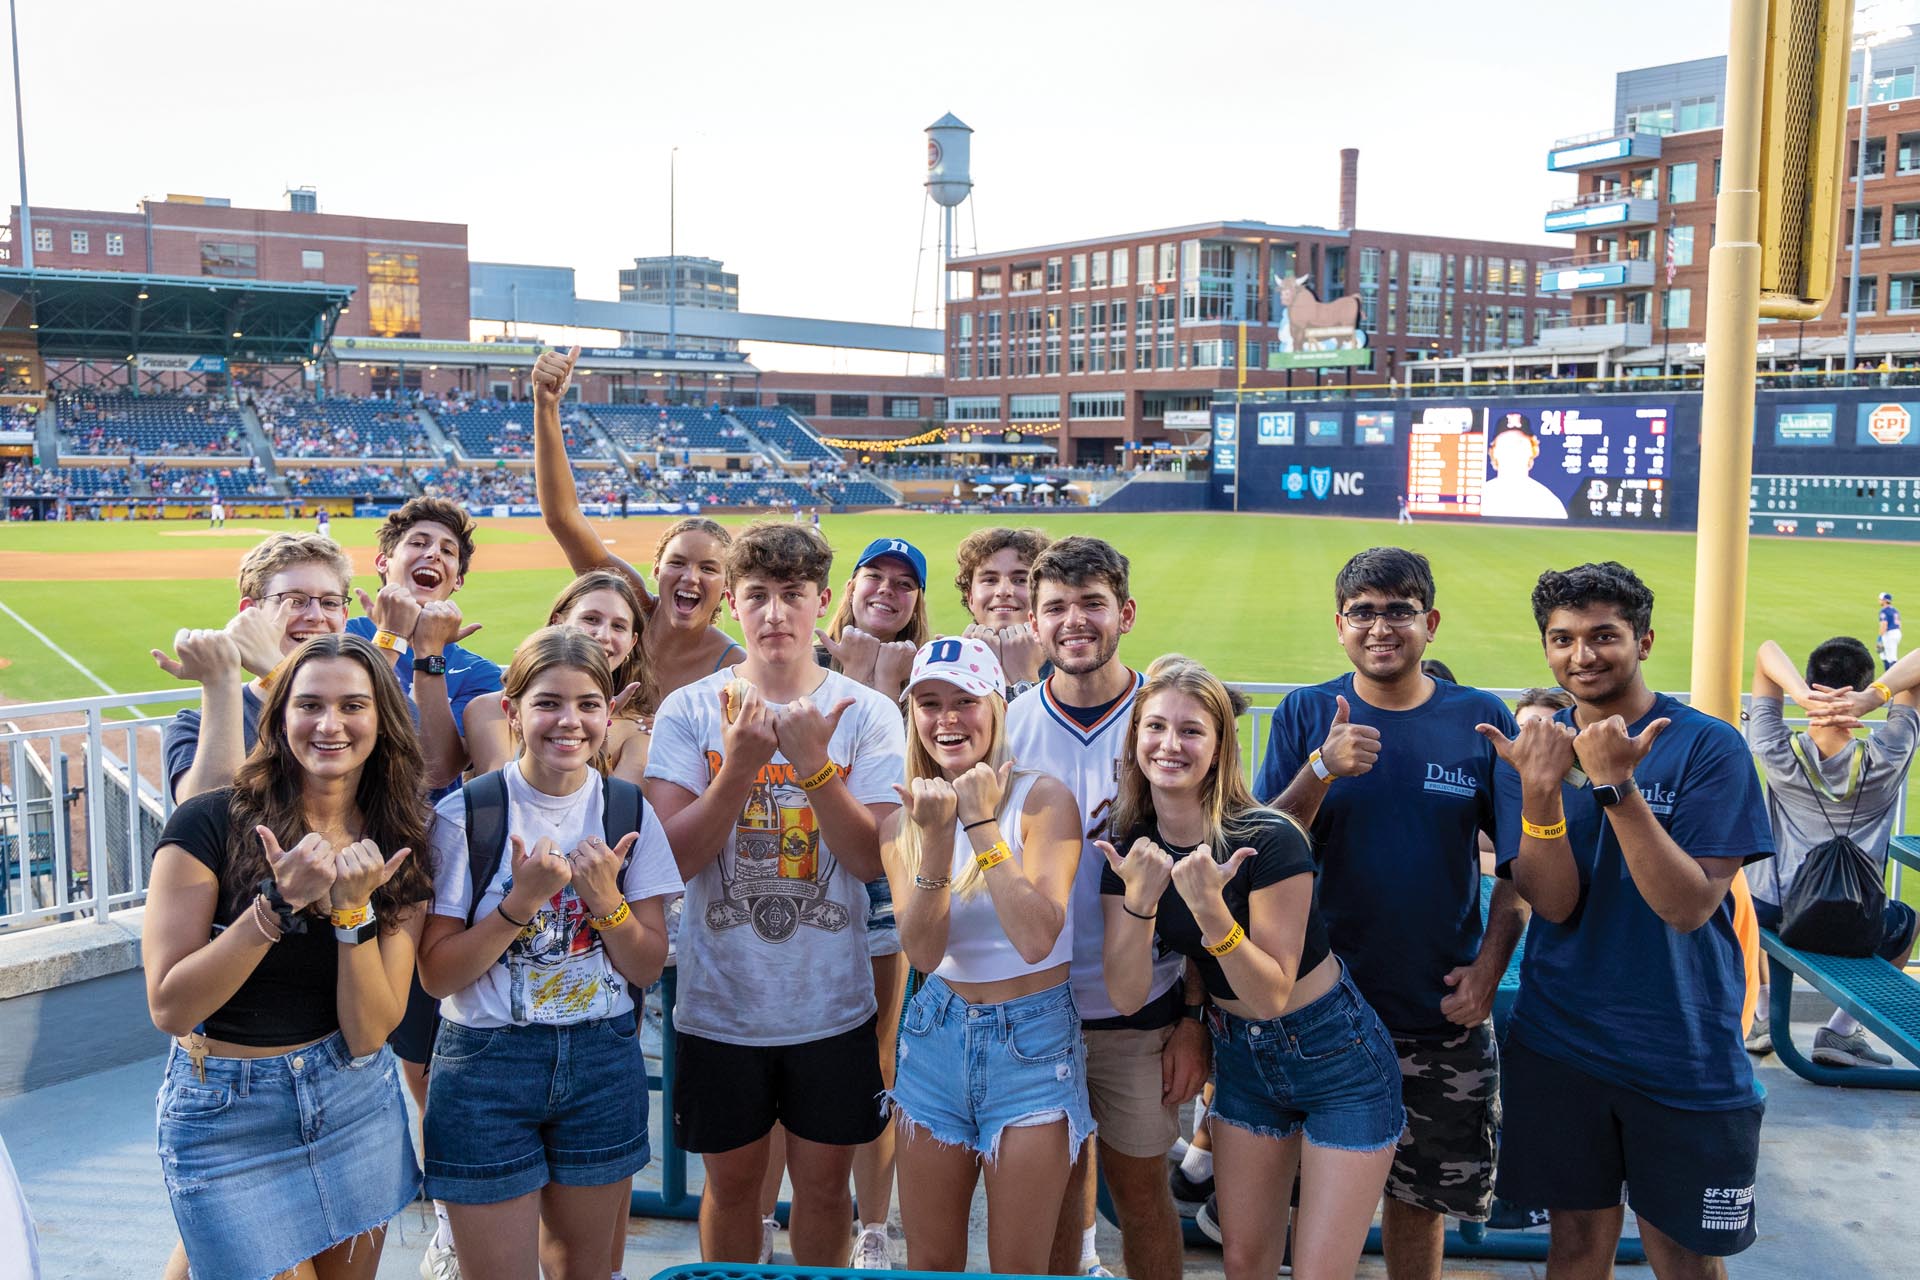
column 290, row 997
column 1281, row 852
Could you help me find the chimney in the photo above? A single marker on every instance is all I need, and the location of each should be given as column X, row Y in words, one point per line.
column 1349, row 185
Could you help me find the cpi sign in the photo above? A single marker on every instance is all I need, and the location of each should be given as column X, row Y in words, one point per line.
column 1890, row 423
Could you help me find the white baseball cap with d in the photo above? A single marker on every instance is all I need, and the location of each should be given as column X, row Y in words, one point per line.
column 961, row 661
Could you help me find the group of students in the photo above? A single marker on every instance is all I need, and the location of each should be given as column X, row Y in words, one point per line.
column 1100, row 914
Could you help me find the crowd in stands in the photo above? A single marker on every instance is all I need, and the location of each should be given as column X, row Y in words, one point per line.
column 195, row 482
column 340, row 428
column 490, row 429
column 780, row 427
column 653, row 427
column 363, row 481
column 158, row 425
column 23, row 480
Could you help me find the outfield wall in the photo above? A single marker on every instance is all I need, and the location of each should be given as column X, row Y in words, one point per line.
column 1827, row 462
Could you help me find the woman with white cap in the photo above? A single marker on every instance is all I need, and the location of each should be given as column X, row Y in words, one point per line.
column 981, row 858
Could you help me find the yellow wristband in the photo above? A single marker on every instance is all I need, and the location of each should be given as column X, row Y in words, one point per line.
column 1882, row 688
column 612, row 920
column 993, row 855
column 814, row 781
column 390, row 640
column 1553, row 831
column 1234, row 938
column 352, row 917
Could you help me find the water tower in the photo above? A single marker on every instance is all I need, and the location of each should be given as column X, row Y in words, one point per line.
column 949, row 183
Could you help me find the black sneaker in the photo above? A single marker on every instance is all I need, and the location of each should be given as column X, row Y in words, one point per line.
column 1208, row 1219
column 1508, row 1216
column 1186, row 1190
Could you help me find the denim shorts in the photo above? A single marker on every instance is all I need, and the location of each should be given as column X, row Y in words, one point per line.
column 1328, row 1068
column 967, row 1072
column 269, row 1161
column 883, row 936
column 510, row 1109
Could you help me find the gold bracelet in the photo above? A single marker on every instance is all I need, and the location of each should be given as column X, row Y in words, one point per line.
column 1234, row 938
column 612, row 920
column 993, row 855
column 1882, row 688
column 1552, row 831
column 826, row 773
column 352, row 917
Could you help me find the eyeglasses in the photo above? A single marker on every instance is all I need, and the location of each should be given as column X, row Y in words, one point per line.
column 1398, row 616
column 299, row 600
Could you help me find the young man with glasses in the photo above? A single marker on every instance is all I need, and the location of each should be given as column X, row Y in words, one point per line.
column 1385, row 766
column 293, row 586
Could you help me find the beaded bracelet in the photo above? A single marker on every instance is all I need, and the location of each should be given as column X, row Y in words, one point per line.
column 612, row 920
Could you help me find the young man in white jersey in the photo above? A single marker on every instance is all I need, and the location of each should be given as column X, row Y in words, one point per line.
column 772, row 779
column 1140, row 1068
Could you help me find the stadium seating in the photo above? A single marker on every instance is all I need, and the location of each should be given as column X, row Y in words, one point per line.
column 64, row 482
column 491, row 430
column 636, row 427
column 856, row 493
column 200, row 482
column 343, row 428
column 781, row 428
column 152, row 424
column 347, row 482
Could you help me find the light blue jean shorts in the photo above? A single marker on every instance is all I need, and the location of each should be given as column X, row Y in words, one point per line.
column 967, row 1072
column 269, row 1161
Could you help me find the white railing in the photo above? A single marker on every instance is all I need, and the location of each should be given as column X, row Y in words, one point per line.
column 79, row 819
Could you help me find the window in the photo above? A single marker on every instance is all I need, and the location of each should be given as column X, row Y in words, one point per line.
column 1496, row 324
column 1099, row 269
column 1032, row 342
column 116, row 245
column 960, row 282
column 1423, row 271
column 312, row 260
column 1704, row 113
column 1105, row 404
column 1869, row 295
column 1906, row 223
column 1496, row 275
column 1097, row 338
column 1889, row 85
column 1683, row 182
column 1423, row 314
column 1679, row 309
column 43, row 239
column 1077, row 338
column 973, row 409
column 1907, row 158
column 1869, row 227
column 1027, row 279
column 1077, row 272
column 1652, row 117
column 1168, row 263
column 1117, row 337
column 1876, row 159
column 1516, row 326
column 990, row 282
column 990, row 349
column 1145, row 273
column 849, row 407
column 1053, row 340
column 1143, row 331
column 1119, row 268
column 1033, row 408
column 800, row 402
column 1682, row 238
column 393, row 294
column 963, row 345
column 1216, row 353
column 237, row 262
column 1903, row 293
column 903, row 406
column 1053, row 275
column 79, row 242
column 1168, row 305
column 1450, row 270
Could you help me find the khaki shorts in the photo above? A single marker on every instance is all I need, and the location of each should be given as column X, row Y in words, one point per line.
column 1123, row 1086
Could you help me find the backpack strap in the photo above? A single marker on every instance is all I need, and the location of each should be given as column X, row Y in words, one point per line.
column 486, row 802
column 620, row 810
column 1856, row 777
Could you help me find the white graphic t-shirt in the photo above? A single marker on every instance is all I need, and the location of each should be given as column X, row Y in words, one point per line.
column 556, row 971
column 773, row 936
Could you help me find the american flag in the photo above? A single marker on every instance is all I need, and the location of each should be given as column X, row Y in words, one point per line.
column 1672, row 261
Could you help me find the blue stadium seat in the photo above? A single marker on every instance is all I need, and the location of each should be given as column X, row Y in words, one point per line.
column 784, row 429
column 195, row 426
column 492, row 430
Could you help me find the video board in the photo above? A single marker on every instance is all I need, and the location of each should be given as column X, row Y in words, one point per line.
column 1600, row 462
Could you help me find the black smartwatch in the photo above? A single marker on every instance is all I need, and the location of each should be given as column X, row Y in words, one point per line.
column 430, row 664
column 1607, row 794
column 1198, row 1012
column 291, row 921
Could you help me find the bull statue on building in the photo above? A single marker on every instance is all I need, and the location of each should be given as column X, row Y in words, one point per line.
column 1314, row 325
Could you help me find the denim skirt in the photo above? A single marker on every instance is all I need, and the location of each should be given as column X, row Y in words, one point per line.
column 269, row 1161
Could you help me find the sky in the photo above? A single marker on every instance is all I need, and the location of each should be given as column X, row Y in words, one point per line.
column 546, row 128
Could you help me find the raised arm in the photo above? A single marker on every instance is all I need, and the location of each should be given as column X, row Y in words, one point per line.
column 1029, row 897
column 372, row 978
column 212, row 659
column 922, row 900
column 553, row 478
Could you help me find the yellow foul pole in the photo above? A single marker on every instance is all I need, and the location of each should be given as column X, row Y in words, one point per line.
column 1727, row 405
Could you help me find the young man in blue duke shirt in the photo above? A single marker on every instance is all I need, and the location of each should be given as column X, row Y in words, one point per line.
column 1385, row 766
column 1624, row 821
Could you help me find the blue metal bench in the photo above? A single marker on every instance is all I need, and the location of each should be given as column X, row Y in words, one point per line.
column 1883, row 998
column 39, row 863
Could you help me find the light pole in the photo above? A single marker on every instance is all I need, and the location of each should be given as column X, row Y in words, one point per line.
column 673, row 261
column 20, row 141
column 1872, row 26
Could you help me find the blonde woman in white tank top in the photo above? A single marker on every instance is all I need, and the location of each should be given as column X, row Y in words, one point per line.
column 991, row 1073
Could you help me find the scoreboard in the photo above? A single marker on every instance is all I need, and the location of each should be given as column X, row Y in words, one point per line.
column 1592, row 462
column 1842, row 506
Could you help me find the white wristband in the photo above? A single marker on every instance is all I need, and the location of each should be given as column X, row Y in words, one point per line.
column 1319, row 767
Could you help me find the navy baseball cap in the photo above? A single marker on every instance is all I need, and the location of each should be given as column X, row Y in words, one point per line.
column 880, row 548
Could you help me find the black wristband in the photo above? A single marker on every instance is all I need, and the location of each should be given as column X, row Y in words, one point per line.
column 1135, row 914
column 501, row 907
column 968, row 826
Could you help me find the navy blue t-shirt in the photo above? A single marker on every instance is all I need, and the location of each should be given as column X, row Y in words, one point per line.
column 181, row 743
column 1616, row 991
column 1398, row 847
column 468, row 677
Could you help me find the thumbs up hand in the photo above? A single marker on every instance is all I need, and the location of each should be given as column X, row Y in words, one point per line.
column 1350, row 749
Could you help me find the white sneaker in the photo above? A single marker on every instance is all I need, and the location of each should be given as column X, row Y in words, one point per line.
column 438, row 1263
column 871, row 1252
column 767, row 1227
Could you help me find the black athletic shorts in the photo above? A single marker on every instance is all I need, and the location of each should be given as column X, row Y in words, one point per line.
column 1571, row 1139
column 728, row 1095
column 412, row 1040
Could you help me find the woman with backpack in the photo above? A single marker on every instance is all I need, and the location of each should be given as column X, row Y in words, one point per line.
column 549, row 883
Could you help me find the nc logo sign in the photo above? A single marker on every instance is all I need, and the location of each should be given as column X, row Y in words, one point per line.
column 1324, row 482
column 1321, row 481
column 1295, row 483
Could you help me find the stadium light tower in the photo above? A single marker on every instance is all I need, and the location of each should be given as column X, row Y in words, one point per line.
column 1873, row 25
column 20, row 141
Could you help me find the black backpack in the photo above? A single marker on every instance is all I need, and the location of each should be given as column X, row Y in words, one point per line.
column 486, row 801
column 1837, row 902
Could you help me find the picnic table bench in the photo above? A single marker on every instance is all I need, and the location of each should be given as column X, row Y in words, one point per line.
column 1884, row 999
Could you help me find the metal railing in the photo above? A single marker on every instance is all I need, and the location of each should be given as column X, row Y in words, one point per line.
column 79, row 823
column 1605, row 195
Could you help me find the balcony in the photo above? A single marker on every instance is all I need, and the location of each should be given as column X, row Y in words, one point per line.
column 1613, row 207
column 1596, row 271
column 1609, row 146
column 1583, row 333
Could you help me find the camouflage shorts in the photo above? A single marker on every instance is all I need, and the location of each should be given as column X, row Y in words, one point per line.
column 1451, row 1090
